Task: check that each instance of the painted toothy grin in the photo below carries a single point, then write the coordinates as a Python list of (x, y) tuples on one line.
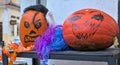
[(84, 36), (76, 29), (28, 38)]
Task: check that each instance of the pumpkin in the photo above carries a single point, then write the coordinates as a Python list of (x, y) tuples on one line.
[(33, 24), (90, 29)]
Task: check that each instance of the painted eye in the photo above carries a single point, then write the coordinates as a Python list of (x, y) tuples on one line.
[(74, 18), (26, 24), (98, 17), (38, 24)]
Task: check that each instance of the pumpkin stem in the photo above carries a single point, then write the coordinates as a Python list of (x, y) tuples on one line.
[(116, 42)]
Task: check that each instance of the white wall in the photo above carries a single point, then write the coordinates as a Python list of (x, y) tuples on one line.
[(5, 18), (63, 8), (26, 3)]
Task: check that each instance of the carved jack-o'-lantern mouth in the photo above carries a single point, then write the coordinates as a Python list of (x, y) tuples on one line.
[(29, 38)]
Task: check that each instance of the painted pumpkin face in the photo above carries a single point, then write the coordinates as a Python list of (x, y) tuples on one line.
[(89, 29), (89, 22), (32, 25)]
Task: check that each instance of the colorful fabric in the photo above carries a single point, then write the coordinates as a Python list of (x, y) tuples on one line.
[(51, 40)]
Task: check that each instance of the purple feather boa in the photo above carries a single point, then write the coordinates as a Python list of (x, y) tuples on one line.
[(51, 40)]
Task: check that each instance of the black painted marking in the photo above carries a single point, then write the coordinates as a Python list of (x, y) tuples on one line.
[(38, 24), (32, 32), (74, 18), (29, 38), (98, 17), (26, 24), (33, 20)]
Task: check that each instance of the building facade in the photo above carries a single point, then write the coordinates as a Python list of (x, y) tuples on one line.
[(10, 17)]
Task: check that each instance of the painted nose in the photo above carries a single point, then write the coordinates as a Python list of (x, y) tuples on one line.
[(32, 32), (86, 21)]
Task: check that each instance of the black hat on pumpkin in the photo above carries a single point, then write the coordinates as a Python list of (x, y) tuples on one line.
[(38, 7)]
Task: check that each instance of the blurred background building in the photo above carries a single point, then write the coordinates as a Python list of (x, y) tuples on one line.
[(10, 17), (10, 14)]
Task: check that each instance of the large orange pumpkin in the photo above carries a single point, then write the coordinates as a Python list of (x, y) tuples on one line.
[(33, 24), (89, 29)]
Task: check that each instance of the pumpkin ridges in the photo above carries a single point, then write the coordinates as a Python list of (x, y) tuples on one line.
[(110, 31)]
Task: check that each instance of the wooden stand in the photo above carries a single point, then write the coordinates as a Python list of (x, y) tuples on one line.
[(110, 55)]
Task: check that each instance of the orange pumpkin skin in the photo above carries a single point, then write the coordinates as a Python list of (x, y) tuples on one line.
[(32, 25), (90, 29)]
